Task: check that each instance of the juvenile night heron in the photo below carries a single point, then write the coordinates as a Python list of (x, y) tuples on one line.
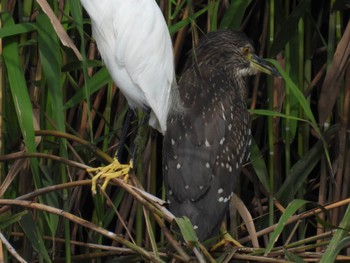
[(134, 43), (204, 148)]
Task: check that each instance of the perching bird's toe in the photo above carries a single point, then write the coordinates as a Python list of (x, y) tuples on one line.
[(109, 172)]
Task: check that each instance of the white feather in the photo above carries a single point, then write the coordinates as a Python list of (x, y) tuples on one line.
[(135, 45)]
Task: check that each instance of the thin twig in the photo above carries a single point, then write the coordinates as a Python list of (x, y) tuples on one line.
[(10, 249), (80, 221)]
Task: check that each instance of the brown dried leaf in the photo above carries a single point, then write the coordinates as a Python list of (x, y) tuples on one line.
[(18, 166), (61, 33), (331, 84), (247, 219)]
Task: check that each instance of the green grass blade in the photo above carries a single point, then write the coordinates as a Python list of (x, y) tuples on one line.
[(259, 165), (304, 105), (51, 61), (19, 93), (299, 173), (298, 94), (187, 230), (301, 169), (97, 81), (50, 56), (7, 219), (339, 240), (277, 114), (289, 27), (34, 236), (76, 11), (17, 29), (213, 14), (150, 232), (234, 15), (292, 257), (294, 206), (176, 27)]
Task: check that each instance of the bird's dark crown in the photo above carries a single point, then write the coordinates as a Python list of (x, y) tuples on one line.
[(227, 50)]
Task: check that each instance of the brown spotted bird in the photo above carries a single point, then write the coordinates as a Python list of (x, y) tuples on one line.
[(204, 148)]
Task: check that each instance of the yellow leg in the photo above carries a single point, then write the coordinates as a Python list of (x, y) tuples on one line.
[(109, 172), (226, 239)]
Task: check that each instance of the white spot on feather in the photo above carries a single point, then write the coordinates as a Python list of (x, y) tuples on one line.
[(207, 144)]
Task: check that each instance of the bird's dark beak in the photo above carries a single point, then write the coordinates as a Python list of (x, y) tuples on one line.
[(262, 65)]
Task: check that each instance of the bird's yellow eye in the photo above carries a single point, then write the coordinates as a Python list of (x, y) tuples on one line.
[(246, 50)]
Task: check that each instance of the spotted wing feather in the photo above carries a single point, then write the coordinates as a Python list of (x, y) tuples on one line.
[(203, 149)]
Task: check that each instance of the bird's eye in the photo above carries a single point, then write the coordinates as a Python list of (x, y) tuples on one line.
[(246, 50)]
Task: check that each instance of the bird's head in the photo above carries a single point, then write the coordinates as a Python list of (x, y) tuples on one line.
[(232, 51)]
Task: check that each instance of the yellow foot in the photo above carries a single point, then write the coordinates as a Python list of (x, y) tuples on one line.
[(109, 172), (226, 239)]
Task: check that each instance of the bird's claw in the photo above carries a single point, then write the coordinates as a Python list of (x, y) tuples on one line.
[(109, 172), (227, 239)]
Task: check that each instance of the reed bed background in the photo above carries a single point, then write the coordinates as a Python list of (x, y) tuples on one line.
[(61, 113)]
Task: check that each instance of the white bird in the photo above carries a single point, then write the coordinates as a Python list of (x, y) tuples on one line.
[(134, 42), (135, 45)]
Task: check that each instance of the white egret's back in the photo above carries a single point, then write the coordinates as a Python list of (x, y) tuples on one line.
[(135, 45)]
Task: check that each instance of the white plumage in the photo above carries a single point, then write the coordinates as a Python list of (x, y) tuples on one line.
[(134, 43)]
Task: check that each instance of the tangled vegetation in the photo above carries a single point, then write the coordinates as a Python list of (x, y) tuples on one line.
[(61, 113)]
